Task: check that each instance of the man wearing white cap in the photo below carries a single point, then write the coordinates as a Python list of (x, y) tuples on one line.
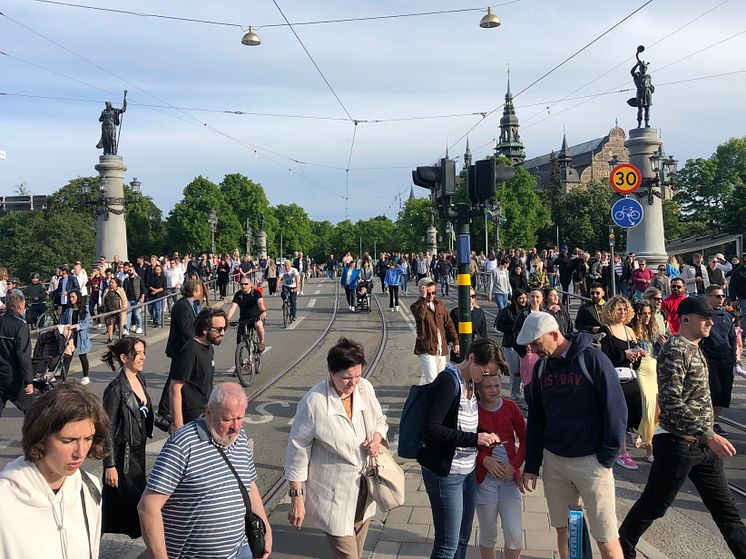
[(576, 428)]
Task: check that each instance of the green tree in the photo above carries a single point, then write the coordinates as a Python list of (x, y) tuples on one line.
[(247, 200), (583, 216), (672, 224), (411, 224), (187, 228), (295, 228), (321, 248), (144, 225), (526, 214), (344, 238), (378, 232), (700, 195)]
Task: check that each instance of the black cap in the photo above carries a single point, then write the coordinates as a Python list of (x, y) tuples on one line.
[(695, 305)]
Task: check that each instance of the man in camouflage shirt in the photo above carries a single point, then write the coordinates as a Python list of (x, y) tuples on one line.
[(687, 445)]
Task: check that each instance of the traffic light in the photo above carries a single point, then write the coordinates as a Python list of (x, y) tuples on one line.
[(426, 177), (448, 178), (482, 178)]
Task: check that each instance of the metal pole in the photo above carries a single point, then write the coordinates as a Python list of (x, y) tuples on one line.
[(281, 251), (375, 249), (613, 273), (360, 249), (463, 280), (248, 249), (486, 231)]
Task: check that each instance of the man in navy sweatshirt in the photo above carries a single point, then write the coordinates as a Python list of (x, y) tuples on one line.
[(576, 428)]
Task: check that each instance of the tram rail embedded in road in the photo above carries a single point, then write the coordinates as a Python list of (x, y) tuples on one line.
[(276, 493)]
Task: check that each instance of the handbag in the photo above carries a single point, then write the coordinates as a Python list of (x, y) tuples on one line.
[(384, 477), (626, 374), (255, 528)]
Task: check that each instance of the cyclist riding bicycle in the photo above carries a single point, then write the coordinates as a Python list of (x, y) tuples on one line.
[(250, 300), (289, 279)]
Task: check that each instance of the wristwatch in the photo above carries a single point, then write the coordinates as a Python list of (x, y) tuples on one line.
[(296, 492)]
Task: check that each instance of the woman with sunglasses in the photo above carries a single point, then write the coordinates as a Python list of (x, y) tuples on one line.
[(130, 412), (646, 330), (661, 281), (449, 456)]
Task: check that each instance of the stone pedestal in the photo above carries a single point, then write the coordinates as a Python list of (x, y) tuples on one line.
[(111, 231), (647, 240), (431, 235), (261, 244)]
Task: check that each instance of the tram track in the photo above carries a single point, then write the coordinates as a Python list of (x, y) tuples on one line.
[(741, 427), (274, 495)]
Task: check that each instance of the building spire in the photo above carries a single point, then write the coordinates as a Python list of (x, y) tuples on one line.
[(467, 154), (509, 145), (411, 193)]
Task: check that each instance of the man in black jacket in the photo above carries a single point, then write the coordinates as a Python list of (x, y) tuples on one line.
[(134, 287), (16, 375), (588, 318), (156, 284)]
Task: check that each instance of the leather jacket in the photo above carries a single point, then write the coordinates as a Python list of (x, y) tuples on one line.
[(129, 428)]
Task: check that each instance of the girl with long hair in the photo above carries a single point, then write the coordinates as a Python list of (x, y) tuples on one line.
[(75, 319), (646, 330)]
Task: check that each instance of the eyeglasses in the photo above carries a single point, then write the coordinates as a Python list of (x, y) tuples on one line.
[(486, 373), (245, 284), (657, 298), (218, 328), (720, 296)]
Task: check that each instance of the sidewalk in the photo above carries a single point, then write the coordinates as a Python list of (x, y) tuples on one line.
[(407, 532)]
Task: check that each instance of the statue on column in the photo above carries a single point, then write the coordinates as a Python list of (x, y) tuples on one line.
[(111, 118), (260, 219), (645, 90)]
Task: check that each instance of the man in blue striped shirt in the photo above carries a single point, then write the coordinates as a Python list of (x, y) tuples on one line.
[(192, 506)]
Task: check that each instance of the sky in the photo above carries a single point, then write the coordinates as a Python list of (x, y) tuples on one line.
[(302, 143)]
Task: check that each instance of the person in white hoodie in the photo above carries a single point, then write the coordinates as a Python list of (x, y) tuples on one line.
[(50, 507)]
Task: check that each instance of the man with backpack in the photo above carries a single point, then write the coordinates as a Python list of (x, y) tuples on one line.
[(573, 384)]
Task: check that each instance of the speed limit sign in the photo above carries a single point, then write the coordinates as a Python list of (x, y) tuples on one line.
[(625, 178)]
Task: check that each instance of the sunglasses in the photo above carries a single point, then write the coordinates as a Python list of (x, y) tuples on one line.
[(718, 296), (486, 373), (657, 298), (245, 284)]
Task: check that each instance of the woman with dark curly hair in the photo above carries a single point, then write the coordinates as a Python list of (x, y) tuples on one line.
[(51, 507), (130, 411)]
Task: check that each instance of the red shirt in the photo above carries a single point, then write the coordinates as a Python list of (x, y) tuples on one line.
[(507, 423), (669, 306), (641, 278)]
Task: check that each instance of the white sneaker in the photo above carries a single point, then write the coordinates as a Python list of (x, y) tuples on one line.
[(397, 308), (739, 371), (138, 331), (85, 380), (133, 328), (301, 293)]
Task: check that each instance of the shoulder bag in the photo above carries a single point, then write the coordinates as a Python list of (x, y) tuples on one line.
[(384, 477), (627, 373), (255, 528)]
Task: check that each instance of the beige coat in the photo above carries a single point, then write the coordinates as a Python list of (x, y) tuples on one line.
[(324, 452)]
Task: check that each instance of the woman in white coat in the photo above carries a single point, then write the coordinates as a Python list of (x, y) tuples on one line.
[(50, 507), (337, 424)]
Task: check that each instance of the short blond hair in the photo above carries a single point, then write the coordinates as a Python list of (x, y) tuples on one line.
[(609, 310)]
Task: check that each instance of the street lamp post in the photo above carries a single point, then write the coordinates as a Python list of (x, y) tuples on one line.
[(248, 237), (612, 240), (212, 220)]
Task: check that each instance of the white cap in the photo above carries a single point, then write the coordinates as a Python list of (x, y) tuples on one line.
[(720, 256), (536, 325)]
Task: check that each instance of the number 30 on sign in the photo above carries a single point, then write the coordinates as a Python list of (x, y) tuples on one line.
[(625, 178)]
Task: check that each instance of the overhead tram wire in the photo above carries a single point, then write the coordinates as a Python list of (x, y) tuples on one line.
[(268, 25), (625, 61), (555, 68), (712, 45)]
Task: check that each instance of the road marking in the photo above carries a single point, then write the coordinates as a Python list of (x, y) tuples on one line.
[(294, 324), (311, 303), (317, 291)]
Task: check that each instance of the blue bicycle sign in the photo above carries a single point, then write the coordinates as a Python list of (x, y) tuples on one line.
[(627, 213)]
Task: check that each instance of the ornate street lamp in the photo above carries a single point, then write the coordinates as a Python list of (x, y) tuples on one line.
[(212, 220), (135, 185)]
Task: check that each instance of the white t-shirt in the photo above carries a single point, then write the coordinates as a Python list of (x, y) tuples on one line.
[(288, 278)]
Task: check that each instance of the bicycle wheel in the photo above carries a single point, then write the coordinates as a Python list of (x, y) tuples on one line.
[(285, 314), (47, 319), (257, 355), (244, 364)]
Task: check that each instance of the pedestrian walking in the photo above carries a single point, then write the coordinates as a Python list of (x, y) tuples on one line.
[(16, 374), (75, 320)]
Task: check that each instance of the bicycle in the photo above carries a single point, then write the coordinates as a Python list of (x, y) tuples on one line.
[(248, 358), (287, 315)]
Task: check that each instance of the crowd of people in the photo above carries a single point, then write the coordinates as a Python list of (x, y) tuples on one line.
[(649, 365)]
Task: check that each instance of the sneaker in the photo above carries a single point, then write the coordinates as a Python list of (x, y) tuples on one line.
[(301, 293), (649, 459), (133, 328), (626, 462), (85, 380), (397, 308), (737, 370), (719, 430), (138, 330)]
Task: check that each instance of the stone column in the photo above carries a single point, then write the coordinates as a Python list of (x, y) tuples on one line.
[(647, 240), (261, 244), (111, 231)]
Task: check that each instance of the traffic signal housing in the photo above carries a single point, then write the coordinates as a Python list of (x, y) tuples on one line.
[(483, 176)]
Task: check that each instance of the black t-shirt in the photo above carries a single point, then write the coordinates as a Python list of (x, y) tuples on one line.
[(248, 303), (195, 366)]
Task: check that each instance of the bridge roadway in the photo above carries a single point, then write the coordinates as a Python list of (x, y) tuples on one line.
[(686, 532)]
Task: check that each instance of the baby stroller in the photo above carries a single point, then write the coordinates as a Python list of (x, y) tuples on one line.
[(363, 295), (47, 361)]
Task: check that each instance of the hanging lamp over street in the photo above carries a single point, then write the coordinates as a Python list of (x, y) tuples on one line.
[(489, 20), (251, 39)]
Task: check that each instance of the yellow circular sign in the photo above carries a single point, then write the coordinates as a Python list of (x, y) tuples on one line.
[(625, 178)]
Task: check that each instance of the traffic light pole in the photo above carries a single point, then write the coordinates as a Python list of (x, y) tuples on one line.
[(463, 280)]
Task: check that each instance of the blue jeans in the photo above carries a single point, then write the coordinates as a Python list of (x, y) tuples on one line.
[(452, 500), (501, 301), (133, 315), (156, 309), (404, 283), (443, 285), (292, 298)]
